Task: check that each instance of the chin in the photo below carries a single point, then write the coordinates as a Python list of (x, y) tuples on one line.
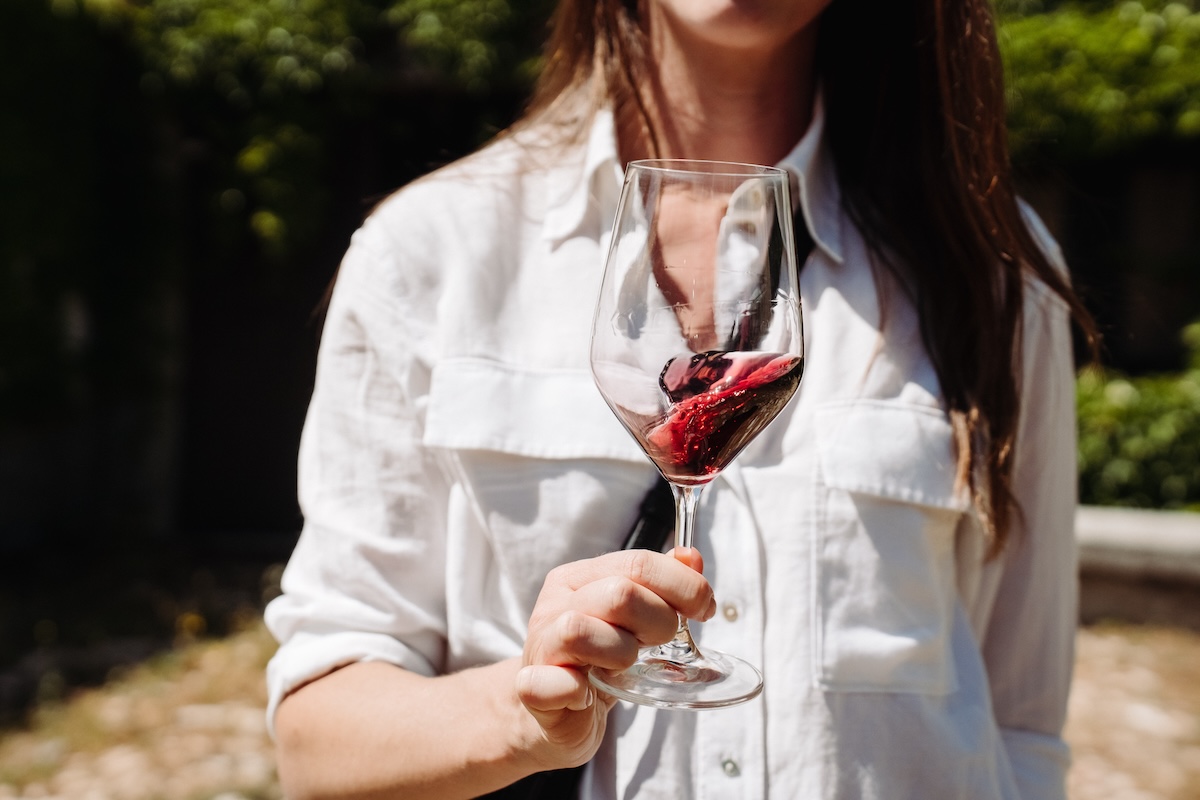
[(742, 24)]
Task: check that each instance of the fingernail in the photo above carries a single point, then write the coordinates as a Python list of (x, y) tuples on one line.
[(589, 698), (712, 609)]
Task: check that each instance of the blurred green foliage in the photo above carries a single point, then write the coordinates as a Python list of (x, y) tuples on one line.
[(476, 42), (1089, 79), (1139, 438), (266, 71), (249, 47), (248, 50)]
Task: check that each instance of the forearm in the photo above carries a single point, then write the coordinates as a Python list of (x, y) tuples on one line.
[(372, 730)]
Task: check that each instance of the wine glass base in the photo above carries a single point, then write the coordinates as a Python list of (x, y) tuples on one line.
[(714, 680)]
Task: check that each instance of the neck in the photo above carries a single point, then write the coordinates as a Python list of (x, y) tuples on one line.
[(723, 104)]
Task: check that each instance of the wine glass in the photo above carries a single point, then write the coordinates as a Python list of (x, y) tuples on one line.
[(697, 344)]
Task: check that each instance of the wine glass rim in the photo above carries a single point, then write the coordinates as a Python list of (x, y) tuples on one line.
[(706, 167)]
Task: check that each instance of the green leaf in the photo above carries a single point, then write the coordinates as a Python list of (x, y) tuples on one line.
[(1089, 79)]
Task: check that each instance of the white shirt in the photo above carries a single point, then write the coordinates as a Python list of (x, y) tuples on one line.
[(456, 450)]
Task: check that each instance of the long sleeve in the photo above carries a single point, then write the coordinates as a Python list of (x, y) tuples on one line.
[(366, 579), (1029, 644)]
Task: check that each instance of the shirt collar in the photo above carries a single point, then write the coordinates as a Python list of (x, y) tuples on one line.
[(576, 188), (814, 180), (810, 164)]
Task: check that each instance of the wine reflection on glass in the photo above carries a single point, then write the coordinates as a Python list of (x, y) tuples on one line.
[(697, 344)]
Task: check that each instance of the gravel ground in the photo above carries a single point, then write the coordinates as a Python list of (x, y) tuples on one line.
[(1134, 719), (188, 725)]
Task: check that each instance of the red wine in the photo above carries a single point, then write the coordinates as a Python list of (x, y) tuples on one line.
[(718, 402)]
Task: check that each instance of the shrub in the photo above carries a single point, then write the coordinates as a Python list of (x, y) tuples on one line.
[(1139, 437), (1089, 78)]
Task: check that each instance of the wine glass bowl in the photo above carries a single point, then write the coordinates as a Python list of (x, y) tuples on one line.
[(697, 344)]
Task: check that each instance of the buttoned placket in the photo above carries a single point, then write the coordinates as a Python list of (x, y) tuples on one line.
[(730, 747)]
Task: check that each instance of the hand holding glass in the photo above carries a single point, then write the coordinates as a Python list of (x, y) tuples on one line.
[(697, 344)]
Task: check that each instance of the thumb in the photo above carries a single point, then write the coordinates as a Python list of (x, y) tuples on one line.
[(689, 556), (547, 690)]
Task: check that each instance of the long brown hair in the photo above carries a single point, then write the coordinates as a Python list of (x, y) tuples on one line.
[(915, 119)]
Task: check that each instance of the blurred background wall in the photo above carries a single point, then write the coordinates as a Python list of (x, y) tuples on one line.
[(179, 178)]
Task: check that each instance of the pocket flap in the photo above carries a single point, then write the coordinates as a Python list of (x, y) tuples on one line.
[(479, 404), (891, 449)]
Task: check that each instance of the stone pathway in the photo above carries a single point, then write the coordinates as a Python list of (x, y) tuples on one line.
[(188, 726), (185, 726), (1134, 719)]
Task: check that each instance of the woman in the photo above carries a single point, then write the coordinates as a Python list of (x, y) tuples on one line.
[(896, 550)]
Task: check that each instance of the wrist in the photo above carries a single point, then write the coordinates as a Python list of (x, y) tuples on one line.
[(512, 744)]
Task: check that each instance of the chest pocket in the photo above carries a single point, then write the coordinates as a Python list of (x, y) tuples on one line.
[(883, 556), (538, 463)]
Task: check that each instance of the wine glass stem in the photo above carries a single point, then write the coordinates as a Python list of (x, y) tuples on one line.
[(682, 649)]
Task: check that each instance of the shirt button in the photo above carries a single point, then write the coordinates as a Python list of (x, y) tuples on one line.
[(730, 612), (731, 768)]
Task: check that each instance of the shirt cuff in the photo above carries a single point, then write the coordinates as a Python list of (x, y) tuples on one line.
[(1039, 763), (307, 656)]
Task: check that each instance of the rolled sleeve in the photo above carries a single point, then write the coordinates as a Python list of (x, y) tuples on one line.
[(366, 581)]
